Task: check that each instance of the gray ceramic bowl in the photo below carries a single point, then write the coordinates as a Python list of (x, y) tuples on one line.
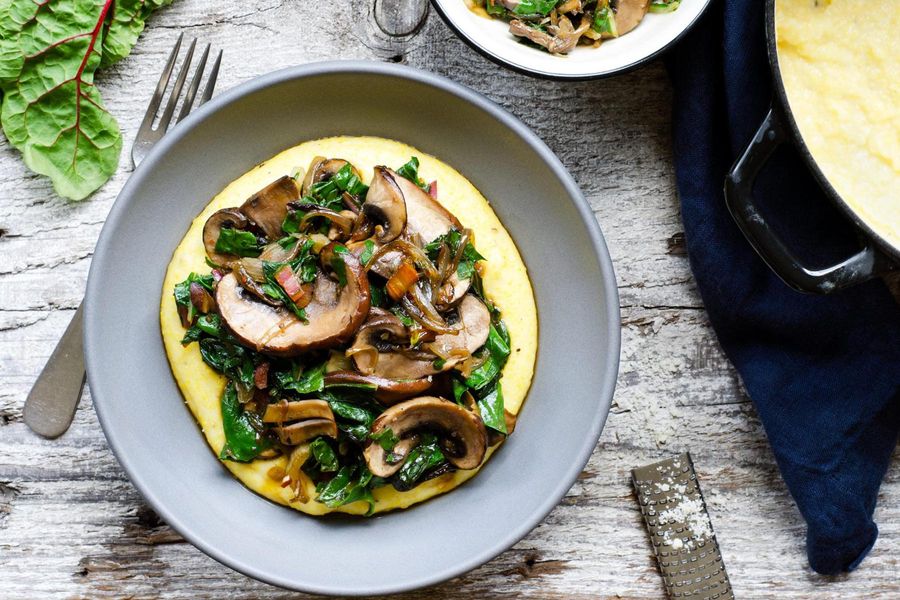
[(154, 435)]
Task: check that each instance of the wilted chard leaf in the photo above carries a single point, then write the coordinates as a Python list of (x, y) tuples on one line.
[(52, 112)]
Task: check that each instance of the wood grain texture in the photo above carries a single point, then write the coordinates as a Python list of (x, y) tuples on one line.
[(72, 526)]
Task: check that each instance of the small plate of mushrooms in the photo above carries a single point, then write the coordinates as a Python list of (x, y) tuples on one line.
[(570, 39)]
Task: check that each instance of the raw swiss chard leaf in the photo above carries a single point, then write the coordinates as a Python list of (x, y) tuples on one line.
[(243, 441), (124, 26), (52, 112)]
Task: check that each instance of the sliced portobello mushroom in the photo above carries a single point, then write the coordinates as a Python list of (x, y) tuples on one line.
[(628, 14), (381, 345), (323, 169), (475, 321), (268, 207), (304, 431), (285, 411), (385, 205), (227, 218), (426, 220), (387, 391), (333, 315), (461, 433), (381, 349)]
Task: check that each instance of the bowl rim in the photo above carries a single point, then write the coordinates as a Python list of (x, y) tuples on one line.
[(540, 74), (612, 344)]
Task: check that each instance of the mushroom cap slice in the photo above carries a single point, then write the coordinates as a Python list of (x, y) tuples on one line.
[(284, 411), (383, 331), (379, 350), (334, 314), (268, 207), (629, 13), (323, 169), (425, 216), (297, 433), (386, 205), (427, 220), (222, 219), (387, 391), (476, 325), (462, 434)]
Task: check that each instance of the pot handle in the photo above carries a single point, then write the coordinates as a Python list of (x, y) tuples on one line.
[(860, 267)]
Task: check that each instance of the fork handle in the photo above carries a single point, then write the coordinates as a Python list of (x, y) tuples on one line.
[(51, 404)]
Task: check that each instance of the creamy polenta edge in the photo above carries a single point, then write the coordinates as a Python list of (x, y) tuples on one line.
[(839, 62), (505, 282)]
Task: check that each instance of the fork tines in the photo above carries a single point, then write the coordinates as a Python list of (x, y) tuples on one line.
[(147, 135)]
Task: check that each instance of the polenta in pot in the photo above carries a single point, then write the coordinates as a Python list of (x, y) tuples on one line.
[(840, 65), (351, 326)]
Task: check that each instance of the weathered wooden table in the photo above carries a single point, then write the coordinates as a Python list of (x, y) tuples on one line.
[(71, 524)]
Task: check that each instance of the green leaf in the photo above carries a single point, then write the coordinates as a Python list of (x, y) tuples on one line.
[(605, 19), (182, 291), (411, 171), (497, 349), (344, 488), (238, 242), (459, 388), (535, 7), (337, 263), (210, 324), (420, 460), (52, 111), (243, 441), (664, 6), (347, 181), (368, 250), (274, 290), (352, 412), (492, 410), (386, 439), (324, 455), (494, 8), (309, 381), (124, 26), (229, 358)]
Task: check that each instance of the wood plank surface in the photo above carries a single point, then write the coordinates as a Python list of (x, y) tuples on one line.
[(71, 524)]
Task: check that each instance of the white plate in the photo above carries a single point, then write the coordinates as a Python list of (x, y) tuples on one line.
[(491, 37)]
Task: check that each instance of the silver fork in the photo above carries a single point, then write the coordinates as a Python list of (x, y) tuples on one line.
[(146, 135), (51, 403)]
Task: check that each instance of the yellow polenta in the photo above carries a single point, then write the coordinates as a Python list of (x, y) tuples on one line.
[(840, 63), (505, 280)]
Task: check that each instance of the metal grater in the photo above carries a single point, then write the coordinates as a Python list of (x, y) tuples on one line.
[(680, 530)]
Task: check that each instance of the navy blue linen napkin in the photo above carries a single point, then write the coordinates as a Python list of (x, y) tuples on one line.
[(823, 372)]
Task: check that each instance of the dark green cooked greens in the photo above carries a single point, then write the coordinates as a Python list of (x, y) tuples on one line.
[(367, 355), (558, 26)]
